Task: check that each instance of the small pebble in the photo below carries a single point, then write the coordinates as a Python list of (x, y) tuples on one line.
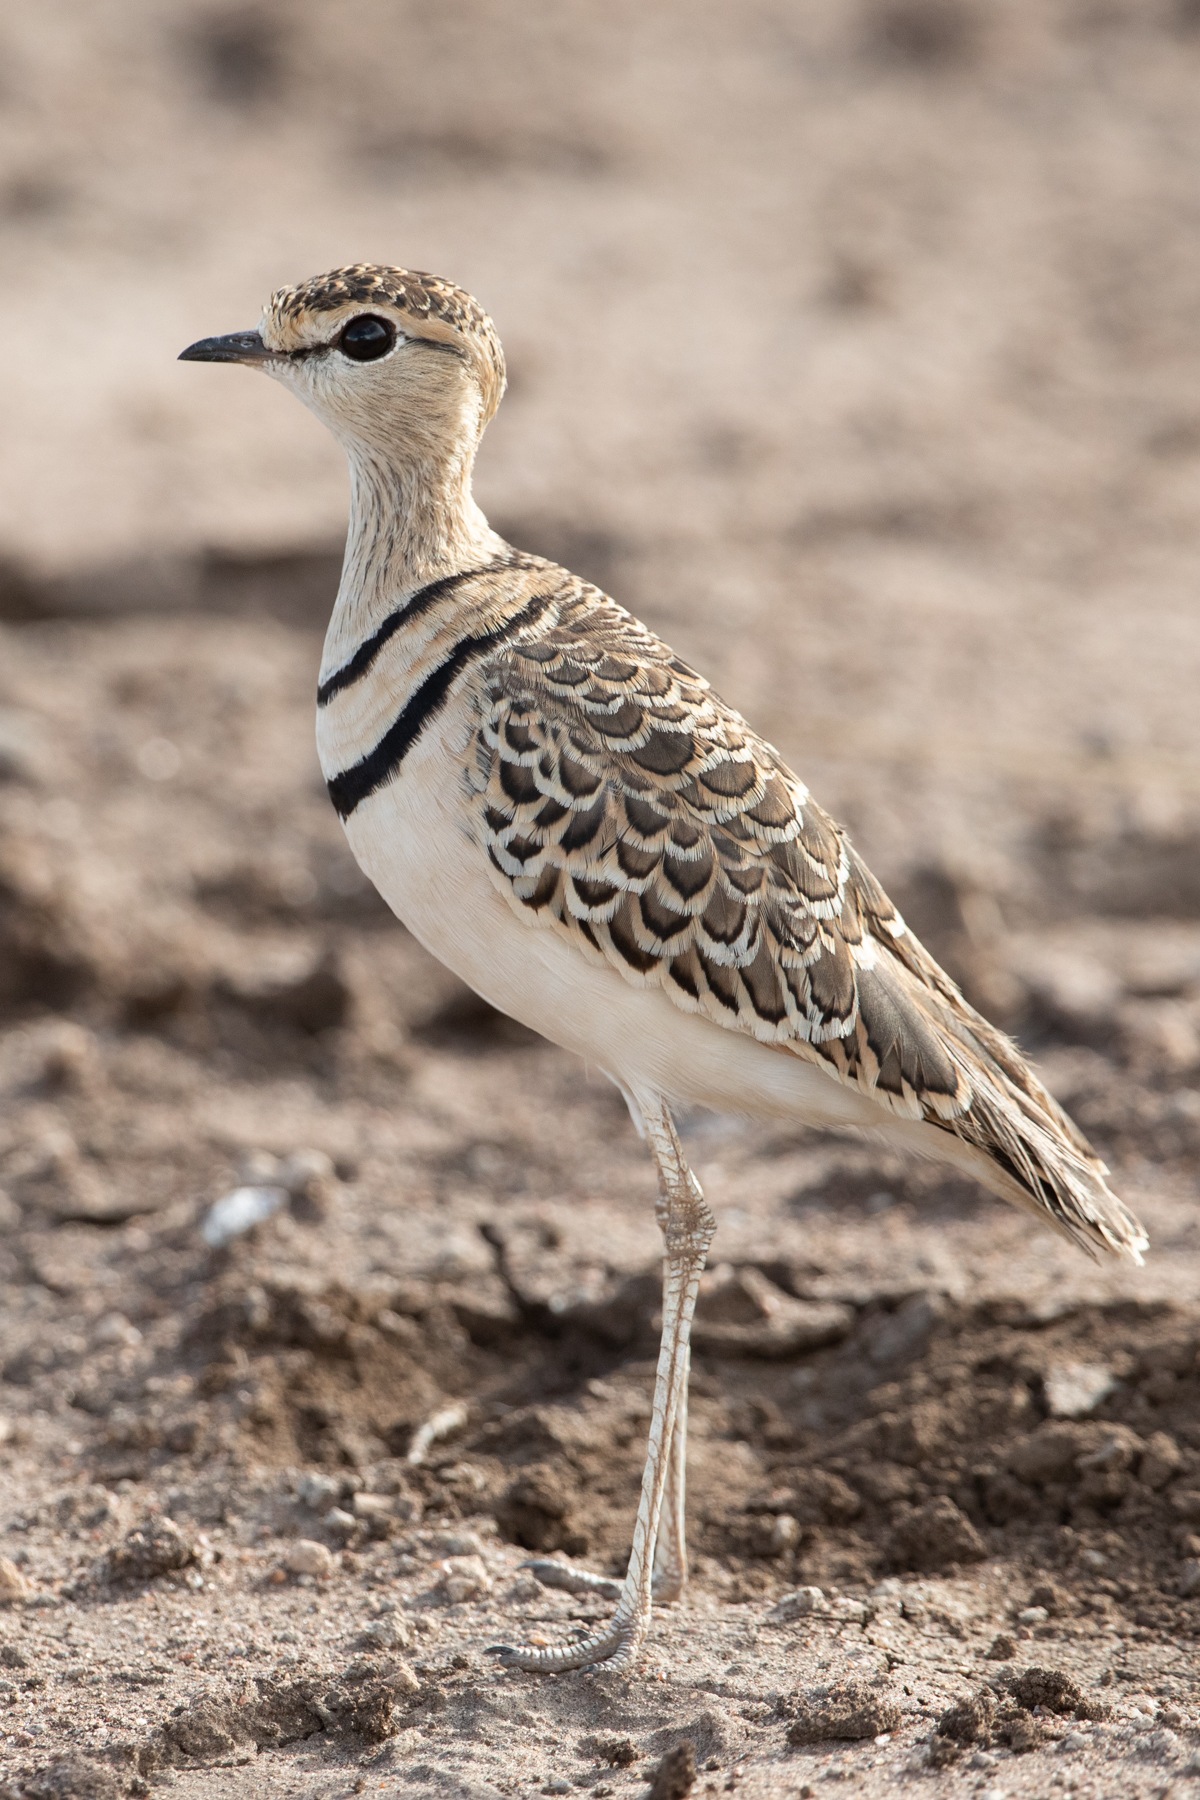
[(238, 1212), (457, 1543), (114, 1328), (1073, 1390), (307, 1174), (784, 1535), (403, 1679), (307, 1557), (387, 1633), (464, 1578), (983, 1759), (797, 1605), (1073, 1741), (339, 1523), (318, 1491), (1188, 1583), (373, 1506), (1032, 1615), (13, 1586)]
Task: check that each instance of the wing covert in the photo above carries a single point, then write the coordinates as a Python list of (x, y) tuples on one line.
[(624, 805)]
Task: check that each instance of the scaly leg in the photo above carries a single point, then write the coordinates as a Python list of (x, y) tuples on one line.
[(670, 1548), (687, 1226)]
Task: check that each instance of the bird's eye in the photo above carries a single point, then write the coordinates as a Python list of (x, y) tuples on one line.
[(367, 338)]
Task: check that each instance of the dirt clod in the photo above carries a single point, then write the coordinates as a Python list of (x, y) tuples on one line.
[(535, 1511), (934, 1536), (970, 1721), (155, 1547), (73, 1778), (617, 1752), (1056, 1692), (844, 1709), (675, 1776)]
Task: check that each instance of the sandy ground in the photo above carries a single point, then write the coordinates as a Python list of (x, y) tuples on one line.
[(855, 345)]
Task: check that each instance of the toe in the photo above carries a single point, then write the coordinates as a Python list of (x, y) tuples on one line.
[(572, 1581)]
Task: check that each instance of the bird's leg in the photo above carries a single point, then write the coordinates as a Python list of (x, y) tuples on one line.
[(670, 1546), (687, 1226)]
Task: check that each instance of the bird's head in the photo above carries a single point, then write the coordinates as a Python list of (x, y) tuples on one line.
[(397, 363)]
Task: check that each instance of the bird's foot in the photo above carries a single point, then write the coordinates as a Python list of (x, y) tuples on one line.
[(616, 1646), (668, 1584), (572, 1581)]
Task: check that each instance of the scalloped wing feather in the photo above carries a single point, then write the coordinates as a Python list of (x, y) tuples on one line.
[(624, 805)]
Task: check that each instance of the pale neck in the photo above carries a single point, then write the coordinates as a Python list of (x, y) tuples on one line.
[(410, 523)]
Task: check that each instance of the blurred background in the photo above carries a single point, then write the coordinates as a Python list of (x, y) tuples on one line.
[(853, 343)]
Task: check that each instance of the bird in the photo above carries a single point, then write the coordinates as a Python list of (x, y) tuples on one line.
[(567, 815)]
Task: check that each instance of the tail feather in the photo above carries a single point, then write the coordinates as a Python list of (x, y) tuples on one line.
[(1030, 1161), (1027, 1149)]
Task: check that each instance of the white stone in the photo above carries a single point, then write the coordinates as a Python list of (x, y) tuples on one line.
[(373, 1506), (238, 1212), (1075, 1389), (307, 1557), (785, 1534)]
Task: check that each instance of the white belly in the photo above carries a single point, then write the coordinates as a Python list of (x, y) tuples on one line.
[(413, 839)]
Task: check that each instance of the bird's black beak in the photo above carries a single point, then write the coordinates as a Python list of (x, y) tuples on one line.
[(234, 347)]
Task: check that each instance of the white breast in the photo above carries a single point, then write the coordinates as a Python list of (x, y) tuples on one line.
[(414, 840)]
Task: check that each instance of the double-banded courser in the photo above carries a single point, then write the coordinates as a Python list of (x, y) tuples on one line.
[(565, 813)]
